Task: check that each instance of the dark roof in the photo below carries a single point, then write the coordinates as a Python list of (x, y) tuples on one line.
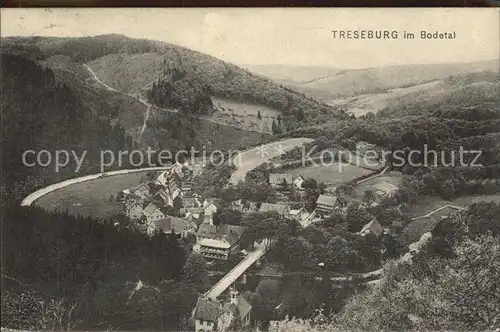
[(150, 208), (207, 230), (236, 229), (141, 228), (170, 223), (243, 306), (207, 309), (231, 233), (414, 230), (210, 310), (232, 237)]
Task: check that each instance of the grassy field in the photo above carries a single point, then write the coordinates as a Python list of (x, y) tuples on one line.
[(331, 175), (91, 197)]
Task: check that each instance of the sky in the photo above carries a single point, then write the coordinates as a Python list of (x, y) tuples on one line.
[(287, 36)]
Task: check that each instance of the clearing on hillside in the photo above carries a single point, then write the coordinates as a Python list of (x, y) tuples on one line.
[(244, 115)]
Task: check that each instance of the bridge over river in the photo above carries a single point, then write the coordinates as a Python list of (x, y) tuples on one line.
[(233, 275)]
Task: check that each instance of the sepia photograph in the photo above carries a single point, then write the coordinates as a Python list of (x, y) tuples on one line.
[(250, 169)]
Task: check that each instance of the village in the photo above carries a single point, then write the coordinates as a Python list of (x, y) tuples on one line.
[(164, 202)]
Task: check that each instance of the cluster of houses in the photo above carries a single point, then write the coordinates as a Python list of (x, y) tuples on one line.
[(326, 204), (165, 203), (283, 180)]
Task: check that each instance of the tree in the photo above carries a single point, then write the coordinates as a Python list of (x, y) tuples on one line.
[(269, 298), (195, 271), (334, 219), (297, 253), (275, 128), (368, 197), (299, 114), (285, 185), (227, 217), (353, 219), (340, 254)]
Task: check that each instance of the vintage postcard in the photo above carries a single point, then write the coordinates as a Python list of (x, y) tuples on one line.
[(278, 169)]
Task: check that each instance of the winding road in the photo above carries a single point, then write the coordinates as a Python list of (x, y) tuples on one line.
[(28, 200), (139, 99), (143, 101), (451, 206)]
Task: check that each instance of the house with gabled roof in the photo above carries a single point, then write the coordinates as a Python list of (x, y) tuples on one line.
[(298, 182), (281, 209), (134, 210), (162, 196), (152, 212), (384, 189), (217, 242), (215, 315), (142, 191), (181, 227), (163, 178), (208, 213), (298, 214), (418, 227), (373, 227), (325, 204), (243, 205), (278, 180)]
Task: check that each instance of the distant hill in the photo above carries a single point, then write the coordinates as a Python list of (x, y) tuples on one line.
[(292, 75), (463, 90), (471, 96), (327, 84)]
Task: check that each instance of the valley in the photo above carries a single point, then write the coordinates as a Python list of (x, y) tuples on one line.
[(256, 236)]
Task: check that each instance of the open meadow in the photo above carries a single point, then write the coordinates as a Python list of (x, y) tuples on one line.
[(335, 174), (91, 198)]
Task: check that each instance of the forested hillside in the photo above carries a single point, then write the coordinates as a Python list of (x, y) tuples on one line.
[(54, 103), (40, 112), (179, 78), (471, 96), (452, 284), (63, 273)]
